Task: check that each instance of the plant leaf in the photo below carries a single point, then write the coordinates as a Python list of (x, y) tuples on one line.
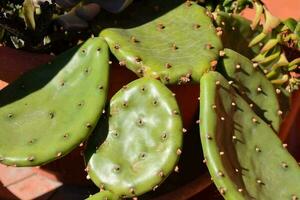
[(28, 12)]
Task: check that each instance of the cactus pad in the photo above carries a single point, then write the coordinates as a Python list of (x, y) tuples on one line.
[(253, 86), (103, 195), (52, 109), (176, 47), (144, 140), (244, 156)]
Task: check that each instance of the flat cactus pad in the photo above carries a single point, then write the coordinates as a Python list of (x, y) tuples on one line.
[(253, 86), (103, 195), (144, 140), (49, 111), (245, 158), (177, 47)]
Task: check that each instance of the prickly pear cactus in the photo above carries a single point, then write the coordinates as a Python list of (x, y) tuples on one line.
[(236, 33), (253, 86), (244, 156), (143, 143), (176, 47), (51, 110), (103, 195)]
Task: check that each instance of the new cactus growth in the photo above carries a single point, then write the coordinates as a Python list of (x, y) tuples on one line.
[(244, 156), (143, 143), (58, 104), (253, 86), (177, 47), (277, 42)]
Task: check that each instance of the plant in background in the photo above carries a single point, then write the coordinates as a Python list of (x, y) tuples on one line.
[(279, 53), (26, 23), (48, 25), (242, 68)]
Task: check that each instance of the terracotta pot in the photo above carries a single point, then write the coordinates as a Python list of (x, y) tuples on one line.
[(289, 130)]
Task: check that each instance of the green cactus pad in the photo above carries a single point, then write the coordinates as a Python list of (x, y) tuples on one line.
[(245, 158), (103, 195), (253, 86), (49, 111), (144, 140), (176, 47)]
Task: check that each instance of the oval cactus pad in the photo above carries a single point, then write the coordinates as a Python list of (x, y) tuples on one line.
[(49, 111), (177, 47), (103, 195), (253, 86), (245, 158), (144, 140)]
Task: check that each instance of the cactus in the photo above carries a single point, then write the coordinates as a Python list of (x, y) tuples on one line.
[(244, 156), (57, 104), (253, 86), (138, 140), (176, 47), (278, 43), (236, 33), (143, 143), (103, 195)]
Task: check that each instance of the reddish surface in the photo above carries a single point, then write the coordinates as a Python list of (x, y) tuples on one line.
[(14, 63), (36, 184), (280, 8), (284, 8)]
